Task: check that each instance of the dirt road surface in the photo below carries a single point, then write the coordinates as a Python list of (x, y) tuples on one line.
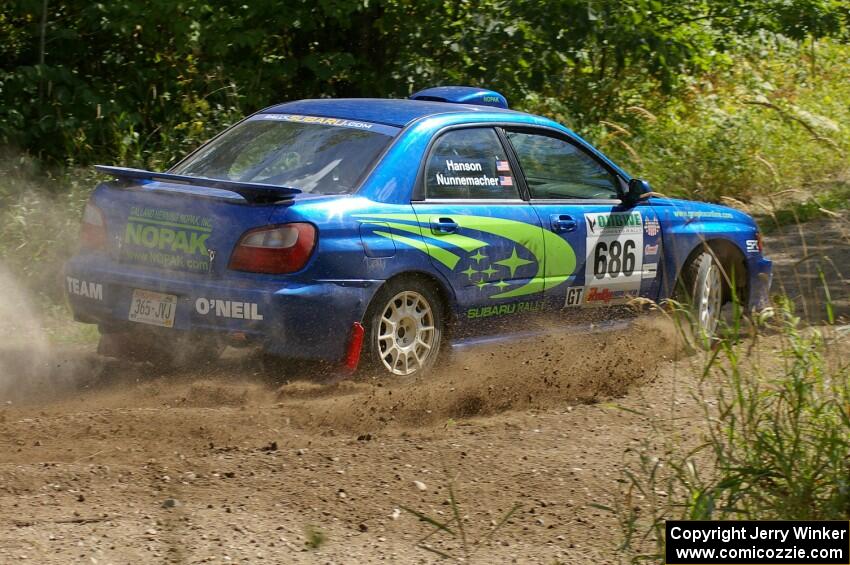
[(111, 462)]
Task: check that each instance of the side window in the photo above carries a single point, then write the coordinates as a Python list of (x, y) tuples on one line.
[(555, 168), (469, 163)]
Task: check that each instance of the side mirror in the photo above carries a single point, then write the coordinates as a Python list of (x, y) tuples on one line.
[(637, 189)]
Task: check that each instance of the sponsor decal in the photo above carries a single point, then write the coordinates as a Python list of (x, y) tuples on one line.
[(752, 246), (650, 249), (503, 166), (538, 262), (606, 295), (504, 309), (167, 239), (87, 289), (506, 181), (323, 121), (616, 223), (317, 120), (652, 227), (614, 247), (650, 270), (574, 296), (702, 214), (228, 309)]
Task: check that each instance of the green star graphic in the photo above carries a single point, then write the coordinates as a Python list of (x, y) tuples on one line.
[(513, 262), (478, 256), (489, 271), (469, 272), (500, 284), (481, 284)]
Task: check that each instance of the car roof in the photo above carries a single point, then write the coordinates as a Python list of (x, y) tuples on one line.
[(392, 112)]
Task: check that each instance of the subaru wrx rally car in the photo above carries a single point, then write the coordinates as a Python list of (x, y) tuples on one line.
[(384, 230)]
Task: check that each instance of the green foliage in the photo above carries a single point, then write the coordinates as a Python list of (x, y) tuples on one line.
[(776, 440), (315, 538), (135, 81), (817, 204), (455, 529), (783, 446), (757, 127), (39, 221), (706, 99)]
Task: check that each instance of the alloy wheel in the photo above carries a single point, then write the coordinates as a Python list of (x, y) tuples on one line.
[(406, 335)]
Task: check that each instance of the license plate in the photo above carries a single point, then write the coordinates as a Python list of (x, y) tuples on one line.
[(153, 308)]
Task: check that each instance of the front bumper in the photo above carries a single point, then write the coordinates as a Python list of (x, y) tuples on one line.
[(304, 320)]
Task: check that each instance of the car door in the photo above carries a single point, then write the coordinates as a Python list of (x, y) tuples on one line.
[(479, 233), (577, 197)]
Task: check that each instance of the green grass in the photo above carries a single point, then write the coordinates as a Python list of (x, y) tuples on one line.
[(454, 529), (775, 441), (315, 538)]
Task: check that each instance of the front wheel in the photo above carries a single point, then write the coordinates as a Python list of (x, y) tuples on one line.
[(405, 328), (703, 289)]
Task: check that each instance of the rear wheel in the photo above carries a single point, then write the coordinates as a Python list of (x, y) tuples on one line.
[(405, 328), (704, 294)]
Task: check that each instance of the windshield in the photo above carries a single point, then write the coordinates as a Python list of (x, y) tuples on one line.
[(313, 154)]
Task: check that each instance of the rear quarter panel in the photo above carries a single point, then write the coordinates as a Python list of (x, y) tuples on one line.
[(352, 252)]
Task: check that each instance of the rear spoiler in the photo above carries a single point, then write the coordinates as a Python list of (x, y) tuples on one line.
[(253, 192)]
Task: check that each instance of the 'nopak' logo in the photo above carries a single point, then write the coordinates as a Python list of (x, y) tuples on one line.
[(170, 239)]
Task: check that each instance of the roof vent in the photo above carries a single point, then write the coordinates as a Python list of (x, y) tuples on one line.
[(462, 95)]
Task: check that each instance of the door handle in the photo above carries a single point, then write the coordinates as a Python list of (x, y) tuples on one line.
[(443, 225), (562, 223)]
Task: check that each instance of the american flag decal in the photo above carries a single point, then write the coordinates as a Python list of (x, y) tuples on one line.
[(652, 227), (506, 181), (502, 166)]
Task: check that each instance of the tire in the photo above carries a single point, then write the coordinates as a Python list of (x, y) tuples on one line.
[(404, 329), (163, 350), (704, 294)]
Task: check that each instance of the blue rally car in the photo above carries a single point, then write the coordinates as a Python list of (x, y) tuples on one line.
[(342, 229)]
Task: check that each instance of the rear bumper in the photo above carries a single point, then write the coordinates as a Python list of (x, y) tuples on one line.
[(761, 275), (311, 320)]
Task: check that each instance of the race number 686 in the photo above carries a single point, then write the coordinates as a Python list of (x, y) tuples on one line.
[(613, 258)]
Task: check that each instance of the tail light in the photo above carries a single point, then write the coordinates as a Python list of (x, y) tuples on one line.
[(760, 242), (274, 249), (93, 229)]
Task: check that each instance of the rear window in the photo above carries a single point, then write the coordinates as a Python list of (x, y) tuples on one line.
[(311, 153)]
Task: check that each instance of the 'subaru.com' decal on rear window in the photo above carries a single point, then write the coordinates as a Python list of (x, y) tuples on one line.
[(325, 121), (757, 542)]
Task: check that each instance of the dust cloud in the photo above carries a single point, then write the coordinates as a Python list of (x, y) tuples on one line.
[(24, 348), (549, 371), (31, 368)]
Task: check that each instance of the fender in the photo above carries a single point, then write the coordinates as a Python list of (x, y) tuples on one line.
[(688, 226)]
